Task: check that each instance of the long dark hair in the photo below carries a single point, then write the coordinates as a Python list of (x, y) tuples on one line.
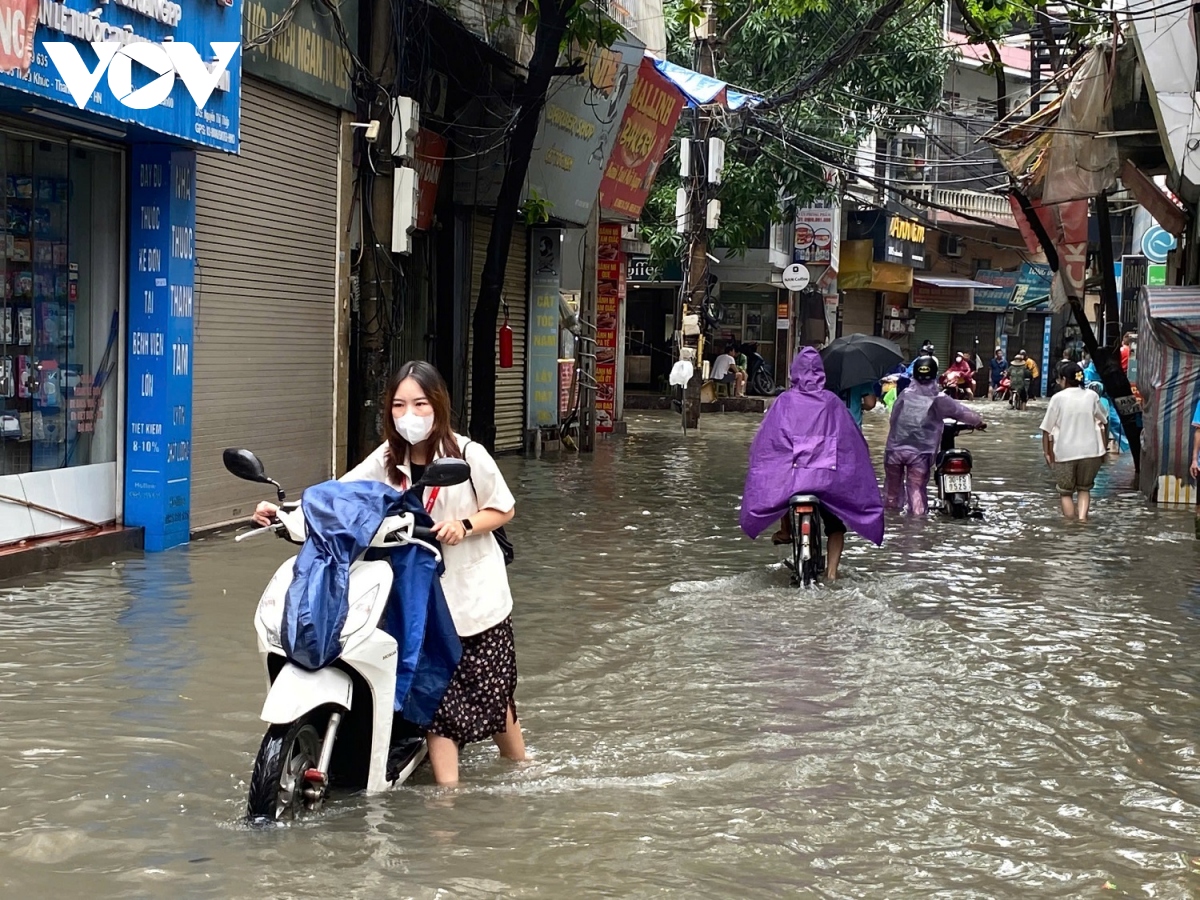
[(442, 435)]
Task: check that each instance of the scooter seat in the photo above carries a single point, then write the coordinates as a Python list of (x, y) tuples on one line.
[(798, 499)]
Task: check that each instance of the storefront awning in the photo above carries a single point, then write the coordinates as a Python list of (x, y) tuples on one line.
[(950, 281)]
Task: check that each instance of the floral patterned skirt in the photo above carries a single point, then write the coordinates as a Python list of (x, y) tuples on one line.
[(481, 692)]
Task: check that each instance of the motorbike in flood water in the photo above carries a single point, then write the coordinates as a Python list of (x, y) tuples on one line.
[(334, 725), (952, 474), (808, 540)]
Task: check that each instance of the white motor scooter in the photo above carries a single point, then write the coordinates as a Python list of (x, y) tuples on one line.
[(334, 723)]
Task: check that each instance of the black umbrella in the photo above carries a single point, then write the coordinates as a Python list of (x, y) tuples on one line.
[(858, 359)]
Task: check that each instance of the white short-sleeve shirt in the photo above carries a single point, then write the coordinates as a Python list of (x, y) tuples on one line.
[(1074, 419), (475, 581)]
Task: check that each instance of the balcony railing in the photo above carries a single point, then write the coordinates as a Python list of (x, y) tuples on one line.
[(973, 203)]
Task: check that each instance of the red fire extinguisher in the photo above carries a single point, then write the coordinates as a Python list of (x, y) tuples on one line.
[(506, 342)]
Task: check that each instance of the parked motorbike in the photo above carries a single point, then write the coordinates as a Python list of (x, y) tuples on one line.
[(808, 540), (952, 473), (334, 725), (760, 378)]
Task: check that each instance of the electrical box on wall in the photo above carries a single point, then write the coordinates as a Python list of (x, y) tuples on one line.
[(406, 120), (404, 208)]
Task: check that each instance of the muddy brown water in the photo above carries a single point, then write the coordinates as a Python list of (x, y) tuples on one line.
[(996, 709)]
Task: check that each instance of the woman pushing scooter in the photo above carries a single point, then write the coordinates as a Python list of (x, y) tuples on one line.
[(479, 702)]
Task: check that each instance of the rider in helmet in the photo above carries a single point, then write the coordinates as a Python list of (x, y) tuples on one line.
[(916, 435)]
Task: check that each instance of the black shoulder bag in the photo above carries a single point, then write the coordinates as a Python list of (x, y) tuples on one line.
[(501, 536)]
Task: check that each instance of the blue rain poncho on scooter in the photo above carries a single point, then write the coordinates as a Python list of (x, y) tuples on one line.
[(341, 519)]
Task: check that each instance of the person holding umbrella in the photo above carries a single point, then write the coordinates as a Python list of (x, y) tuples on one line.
[(853, 366)]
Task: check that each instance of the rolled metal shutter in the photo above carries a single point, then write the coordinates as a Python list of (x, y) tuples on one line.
[(266, 287), (975, 326), (510, 383), (935, 327)]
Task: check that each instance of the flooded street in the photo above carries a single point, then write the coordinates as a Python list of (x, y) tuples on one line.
[(996, 709)]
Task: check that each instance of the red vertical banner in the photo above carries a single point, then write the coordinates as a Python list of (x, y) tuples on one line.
[(431, 151), (1067, 225), (646, 130), (610, 286), (18, 19)]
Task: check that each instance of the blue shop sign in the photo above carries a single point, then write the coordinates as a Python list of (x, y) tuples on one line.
[(1033, 288), (994, 299), (162, 278), (119, 83)]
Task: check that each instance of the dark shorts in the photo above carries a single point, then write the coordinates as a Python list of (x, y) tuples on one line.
[(480, 694), (729, 378), (831, 523)]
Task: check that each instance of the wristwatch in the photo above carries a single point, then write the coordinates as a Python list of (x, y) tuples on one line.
[(466, 523)]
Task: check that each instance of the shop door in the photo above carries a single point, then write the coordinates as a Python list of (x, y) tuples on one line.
[(61, 212), (510, 383), (935, 327), (266, 289), (975, 333)]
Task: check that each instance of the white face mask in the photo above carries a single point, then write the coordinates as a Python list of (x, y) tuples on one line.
[(413, 428)]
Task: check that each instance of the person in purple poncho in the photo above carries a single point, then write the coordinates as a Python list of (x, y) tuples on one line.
[(916, 434), (808, 444)]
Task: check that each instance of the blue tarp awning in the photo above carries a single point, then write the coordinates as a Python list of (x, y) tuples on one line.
[(704, 90)]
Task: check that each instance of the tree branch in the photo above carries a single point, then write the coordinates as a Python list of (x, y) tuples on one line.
[(850, 48)]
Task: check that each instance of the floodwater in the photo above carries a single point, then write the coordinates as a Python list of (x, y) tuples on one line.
[(996, 709)]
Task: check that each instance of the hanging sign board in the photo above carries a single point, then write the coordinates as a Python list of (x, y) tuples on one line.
[(796, 277), (646, 130), (542, 359)]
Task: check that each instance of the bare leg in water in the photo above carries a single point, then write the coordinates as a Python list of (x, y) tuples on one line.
[(833, 555), (1068, 506), (511, 741), (1084, 505), (443, 752)]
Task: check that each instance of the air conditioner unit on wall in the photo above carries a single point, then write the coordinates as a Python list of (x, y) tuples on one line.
[(950, 245)]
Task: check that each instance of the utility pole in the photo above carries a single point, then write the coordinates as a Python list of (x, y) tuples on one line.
[(695, 290), (375, 275)]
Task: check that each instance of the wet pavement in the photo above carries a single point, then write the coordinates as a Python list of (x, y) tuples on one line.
[(1005, 708)]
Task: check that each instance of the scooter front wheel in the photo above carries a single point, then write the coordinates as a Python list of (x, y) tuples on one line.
[(278, 783)]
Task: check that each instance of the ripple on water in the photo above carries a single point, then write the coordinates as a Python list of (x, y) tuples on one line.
[(985, 709)]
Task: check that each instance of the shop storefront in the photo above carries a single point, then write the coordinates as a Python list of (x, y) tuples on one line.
[(272, 268), (651, 295), (877, 263), (97, 207), (749, 319)]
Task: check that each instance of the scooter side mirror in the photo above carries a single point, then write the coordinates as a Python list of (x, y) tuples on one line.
[(445, 472), (245, 465)]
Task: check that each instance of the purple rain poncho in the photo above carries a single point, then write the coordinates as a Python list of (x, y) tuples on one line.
[(808, 444), (917, 422)]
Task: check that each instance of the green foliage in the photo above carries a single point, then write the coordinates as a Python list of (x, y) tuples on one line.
[(536, 209), (993, 20), (585, 23), (769, 45)]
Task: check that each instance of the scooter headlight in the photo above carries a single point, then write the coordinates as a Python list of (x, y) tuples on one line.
[(359, 615)]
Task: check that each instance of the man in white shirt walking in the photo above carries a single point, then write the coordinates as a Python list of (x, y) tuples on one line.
[(1074, 440)]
